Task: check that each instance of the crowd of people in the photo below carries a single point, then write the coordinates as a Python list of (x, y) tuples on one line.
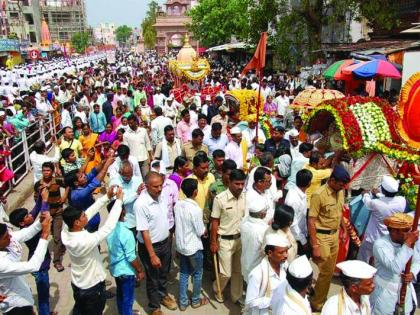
[(185, 185)]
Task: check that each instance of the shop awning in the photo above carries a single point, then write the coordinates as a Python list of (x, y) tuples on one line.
[(230, 46)]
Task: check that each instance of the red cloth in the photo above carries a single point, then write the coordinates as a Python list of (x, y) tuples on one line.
[(258, 60)]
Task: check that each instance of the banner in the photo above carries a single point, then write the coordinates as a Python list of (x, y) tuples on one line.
[(9, 45)]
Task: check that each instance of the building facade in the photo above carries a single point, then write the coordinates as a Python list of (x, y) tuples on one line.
[(105, 34), (64, 18), (171, 25)]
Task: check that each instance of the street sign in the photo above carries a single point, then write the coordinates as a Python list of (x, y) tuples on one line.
[(34, 54)]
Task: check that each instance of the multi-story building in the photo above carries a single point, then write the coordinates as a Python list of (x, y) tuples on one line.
[(64, 18), (105, 33), (23, 18), (171, 25)]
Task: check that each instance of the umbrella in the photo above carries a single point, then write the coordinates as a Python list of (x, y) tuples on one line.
[(349, 69), (312, 97), (334, 71), (376, 68)]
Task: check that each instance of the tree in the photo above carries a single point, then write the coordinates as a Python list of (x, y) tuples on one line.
[(80, 41), (12, 35), (148, 30), (214, 22), (123, 33)]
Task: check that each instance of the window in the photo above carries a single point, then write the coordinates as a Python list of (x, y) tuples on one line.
[(32, 37), (29, 18), (14, 15)]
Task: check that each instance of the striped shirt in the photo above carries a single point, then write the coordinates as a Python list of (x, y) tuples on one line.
[(189, 227)]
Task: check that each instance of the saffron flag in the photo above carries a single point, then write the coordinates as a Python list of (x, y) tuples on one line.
[(258, 60)]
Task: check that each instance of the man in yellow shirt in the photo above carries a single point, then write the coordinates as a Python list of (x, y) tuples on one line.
[(204, 178), (68, 141), (319, 174)]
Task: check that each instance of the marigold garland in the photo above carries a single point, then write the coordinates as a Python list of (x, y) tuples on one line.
[(366, 124), (247, 100)]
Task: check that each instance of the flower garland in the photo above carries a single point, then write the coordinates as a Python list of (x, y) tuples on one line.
[(248, 101), (398, 152), (409, 191), (266, 125), (372, 122)]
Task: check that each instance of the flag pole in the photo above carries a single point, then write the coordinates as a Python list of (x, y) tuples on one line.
[(400, 307), (258, 105)]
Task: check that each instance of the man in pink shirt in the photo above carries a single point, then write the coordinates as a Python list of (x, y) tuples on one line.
[(183, 129)]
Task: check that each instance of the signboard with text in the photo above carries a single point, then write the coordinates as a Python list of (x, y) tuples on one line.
[(9, 45)]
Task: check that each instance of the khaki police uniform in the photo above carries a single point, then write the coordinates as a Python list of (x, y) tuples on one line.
[(230, 211), (326, 207)]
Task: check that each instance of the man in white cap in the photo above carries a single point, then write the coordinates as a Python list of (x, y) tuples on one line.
[(357, 278), (293, 299), (170, 109), (159, 98), (385, 205), (253, 229), (236, 150), (293, 137), (267, 276), (207, 103)]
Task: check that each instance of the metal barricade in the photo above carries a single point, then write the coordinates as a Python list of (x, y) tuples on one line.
[(18, 162)]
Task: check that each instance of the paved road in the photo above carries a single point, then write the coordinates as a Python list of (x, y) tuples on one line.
[(62, 296)]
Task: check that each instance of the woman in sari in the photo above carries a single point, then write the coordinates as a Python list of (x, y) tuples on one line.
[(77, 127), (181, 170), (89, 140), (116, 120)]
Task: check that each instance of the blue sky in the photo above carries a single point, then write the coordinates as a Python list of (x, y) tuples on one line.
[(130, 12)]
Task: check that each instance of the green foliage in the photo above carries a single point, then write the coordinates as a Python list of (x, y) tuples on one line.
[(12, 35), (123, 33), (215, 21), (149, 32), (295, 27), (80, 41)]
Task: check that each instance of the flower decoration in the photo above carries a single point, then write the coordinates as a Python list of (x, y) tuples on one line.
[(266, 125), (248, 102), (366, 124)]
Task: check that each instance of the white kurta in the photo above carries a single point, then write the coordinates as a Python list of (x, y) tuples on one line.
[(252, 238), (390, 260), (379, 209), (248, 135), (258, 297), (289, 302), (349, 307)]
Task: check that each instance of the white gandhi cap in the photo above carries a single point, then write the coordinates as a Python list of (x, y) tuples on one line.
[(256, 206), (356, 269), (275, 239), (235, 131), (300, 267), (390, 184)]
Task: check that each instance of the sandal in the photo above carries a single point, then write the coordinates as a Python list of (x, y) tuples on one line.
[(203, 301)]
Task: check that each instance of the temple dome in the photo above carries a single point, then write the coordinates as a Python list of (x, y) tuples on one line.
[(187, 53)]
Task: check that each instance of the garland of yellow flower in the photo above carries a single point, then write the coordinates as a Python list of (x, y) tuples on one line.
[(247, 100)]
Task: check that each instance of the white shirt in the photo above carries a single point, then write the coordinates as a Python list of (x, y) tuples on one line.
[(152, 216), (87, 268), (380, 209), (282, 105), (248, 135), (349, 306), (159, 99), (286, 302), (12, 271), (296, 199), (43, 107), (256, 303), (275, 193), (189, 227), (82, 116), (66, 119), (114, 169), (139, 143), (233, 151), (265, 198), (158, 125), (252, 238), (37, 160)]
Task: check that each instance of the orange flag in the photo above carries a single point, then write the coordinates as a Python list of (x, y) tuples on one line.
[(258, 61)]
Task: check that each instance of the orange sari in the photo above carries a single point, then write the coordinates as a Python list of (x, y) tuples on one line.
[(89, 142)]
